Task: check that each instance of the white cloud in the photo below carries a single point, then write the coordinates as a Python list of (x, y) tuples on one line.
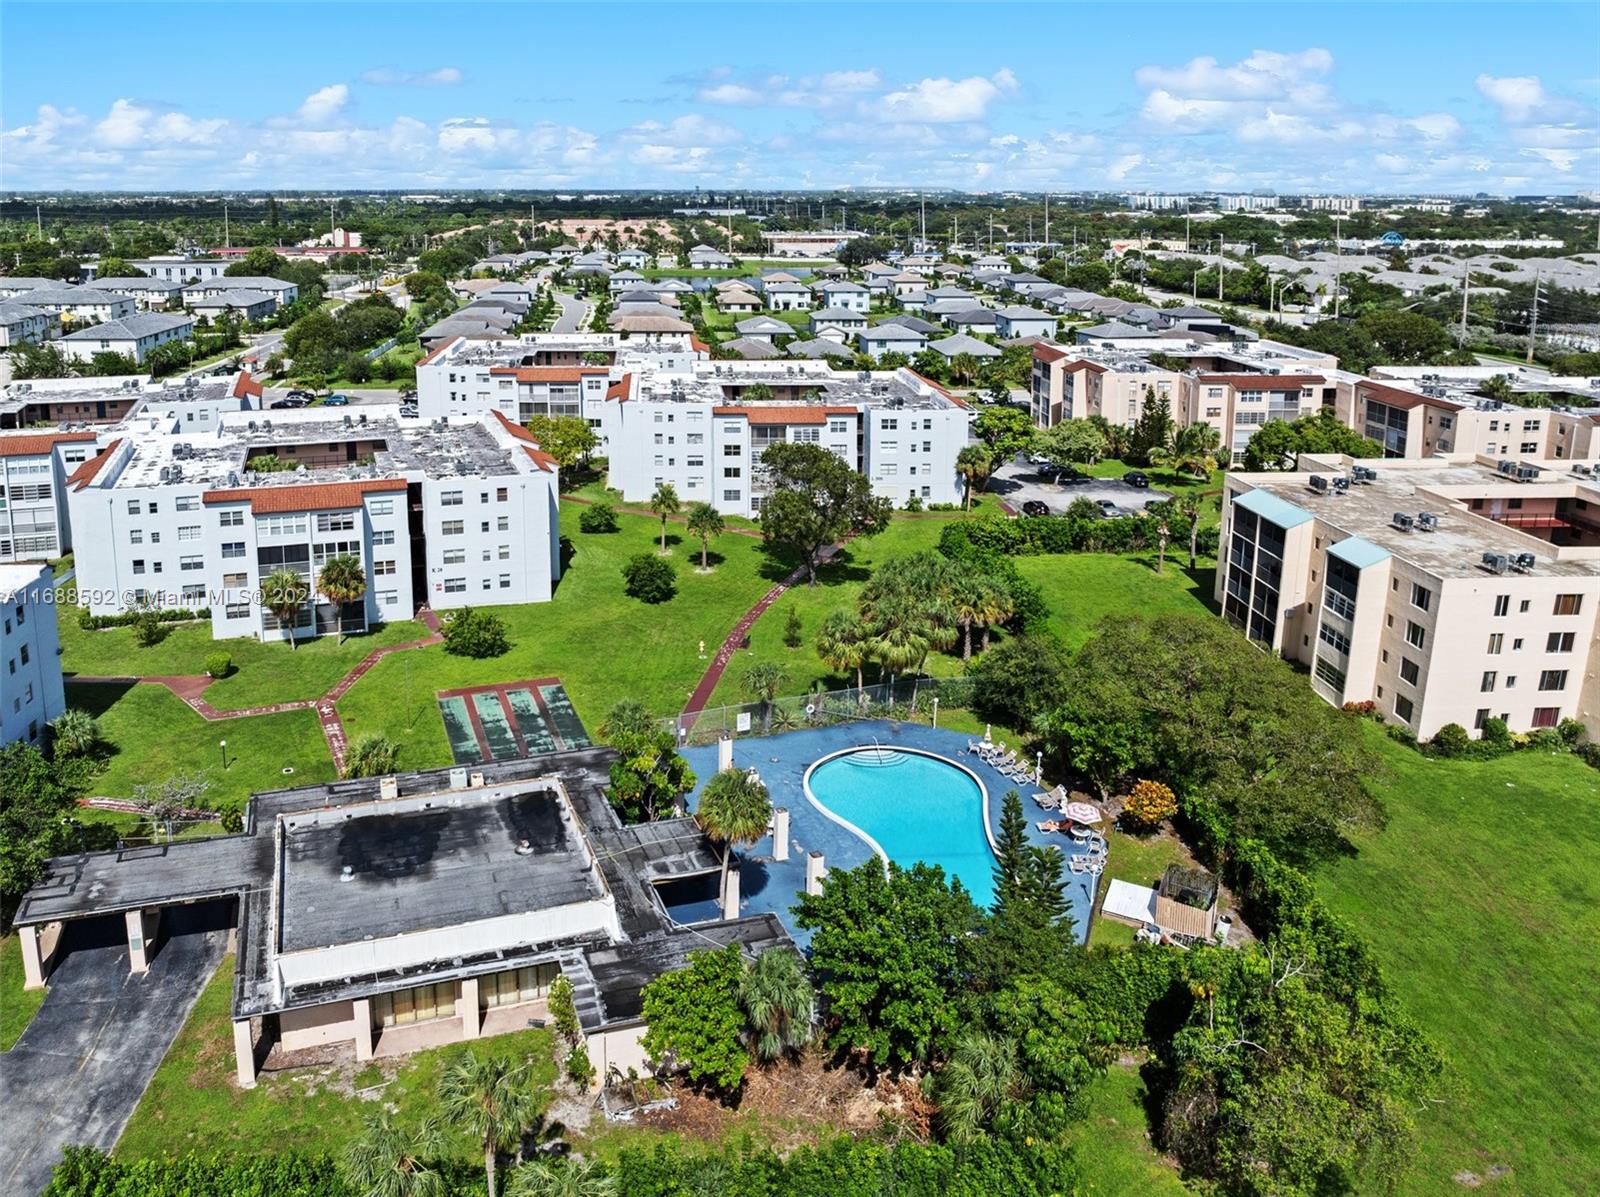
[(730, 93), (394, 77), (940, 101), (128, 125), (1517, 96), (1266, 74), (1120, 168), (692, 129), (324, 104)]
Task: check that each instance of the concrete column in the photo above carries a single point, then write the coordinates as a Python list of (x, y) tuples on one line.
[(32, 958), (142, 926), (816, 869), (780, 833), (244, 1054), (467, 1003), (363, 1028), (724, 753), (730, 897)]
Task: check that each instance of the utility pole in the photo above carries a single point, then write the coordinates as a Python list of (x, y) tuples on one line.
[(1219, 269), (1047, 218), (38, 222), (331, 221), (923, 199), (1533, 323), (1186, 227), (1338, 275), (227, 237), (1466, 286)]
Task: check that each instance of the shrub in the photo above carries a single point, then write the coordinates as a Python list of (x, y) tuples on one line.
[(148, 629), (600, 517), (580, 1069), (1572, 732), (564, 1009), (233, 821), (913, 503), (1496, 735), (371, 756), (1367, 707), (90, 622), (473, 633), (1018, 679), (1451, 740), (74, 733), (218, 664), (1149, 803), (650, 578), (791, 629)]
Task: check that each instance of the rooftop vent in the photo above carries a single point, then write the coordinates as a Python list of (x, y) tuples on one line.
[(1427, 521), (1319, 484), (1524, 562), (1496, 563), (1505, 467), (1527, 473), (1341, 482), (1364, 473), (1403, 521), (1580, 468)]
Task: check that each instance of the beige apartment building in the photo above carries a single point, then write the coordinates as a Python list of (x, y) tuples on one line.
[(1418, 420), (1073, 385), (1449, 590)]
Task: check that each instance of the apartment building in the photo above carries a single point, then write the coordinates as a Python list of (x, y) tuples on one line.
[(151, 294), (180, 269), (31, 694), (1422, 417), (282, 293), (81, 305), (22, 324), (133, 336), (444, 513), (1237, 405), (1075, 384), (34, 468), (1449, 590)]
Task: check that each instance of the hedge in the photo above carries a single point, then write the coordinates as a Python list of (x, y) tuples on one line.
[(1046, 534), (92, 623)]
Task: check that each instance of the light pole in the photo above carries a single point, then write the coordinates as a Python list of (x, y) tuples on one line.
[(223, 744), (935, 710)]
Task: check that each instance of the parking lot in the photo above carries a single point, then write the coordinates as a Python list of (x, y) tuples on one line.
[(1017, 482)]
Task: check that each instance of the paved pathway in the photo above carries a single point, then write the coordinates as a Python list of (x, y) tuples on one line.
[(190, 688), (574, 314), (80, 1068)]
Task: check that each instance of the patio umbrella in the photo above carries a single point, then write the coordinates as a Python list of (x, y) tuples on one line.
[(1081, 812)]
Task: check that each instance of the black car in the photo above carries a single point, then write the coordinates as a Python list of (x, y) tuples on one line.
[(301, 397), (1067, 474), (1136, 479), (1035, 507)]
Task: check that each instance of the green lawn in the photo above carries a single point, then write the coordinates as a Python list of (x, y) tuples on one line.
[(1483, 901), (263, 674), (1083, 588), (156, 736), (194, 1104), (1139, 860), (1113, 1145), (17, 1005), (604, 645)]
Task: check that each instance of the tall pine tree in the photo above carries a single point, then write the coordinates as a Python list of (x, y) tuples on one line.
[(1153, 430)]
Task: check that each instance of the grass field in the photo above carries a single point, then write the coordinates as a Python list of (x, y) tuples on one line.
[(262, 674), (1483, 902), (1083, 588), (194, 1104), (157, 736), (17, 1005), (1113, 1143)]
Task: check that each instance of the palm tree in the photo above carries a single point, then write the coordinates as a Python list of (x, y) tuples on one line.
[(344, 581), (1193, 450), (74, 733), (981, 1077), (384, 1161), (963, 368), (998, 606), (705, 521), (842, 643), (561, 1178), (778, 1003), (764, 681), (974, 462), (1189, 508), (1161, 511), (285, 593), (968, 602), (664, 502), (493, 1100), (734, 809)]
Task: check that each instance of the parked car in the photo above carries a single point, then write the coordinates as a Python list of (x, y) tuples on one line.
[(289, 400), (1035, 507), (1108, 508), (303, 396), (336, 401), (1137, 479), (1067, 474), (408, 410)]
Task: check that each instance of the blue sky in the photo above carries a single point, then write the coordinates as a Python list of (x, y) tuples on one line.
[(1291, 96)]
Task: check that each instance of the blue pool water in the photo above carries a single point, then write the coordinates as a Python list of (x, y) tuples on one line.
[(917, 808)]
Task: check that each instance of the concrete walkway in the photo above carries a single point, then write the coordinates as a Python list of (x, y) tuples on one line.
[(80, 1068), (574, 313), (190, 689)]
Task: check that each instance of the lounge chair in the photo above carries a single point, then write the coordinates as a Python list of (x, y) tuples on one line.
[(1049, 825), (1047, 801)]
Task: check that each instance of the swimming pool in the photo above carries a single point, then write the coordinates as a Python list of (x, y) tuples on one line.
[(910, 806)]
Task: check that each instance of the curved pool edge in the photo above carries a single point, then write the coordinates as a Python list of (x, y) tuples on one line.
[(877, 849)]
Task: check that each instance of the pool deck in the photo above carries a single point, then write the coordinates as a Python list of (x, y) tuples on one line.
[(770, 886)]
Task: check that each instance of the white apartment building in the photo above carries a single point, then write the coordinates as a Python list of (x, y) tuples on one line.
[(21, 324), (152, 294), (1452, 590), (182, 270), (663, 414), (31, 694), (34, 469), (82, 305), (135, 335), (444, 513), (284, 293)]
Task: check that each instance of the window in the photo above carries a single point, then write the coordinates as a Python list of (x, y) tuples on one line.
[(503, 524), (383, 536), (133, 506), (385, 566), (730, 496), (503, 552), (151, 508), (1338, 640), (237, 610), (1496, 642), (286, 525), (452, 528), (136, 536), (1569, 604), (890, 446), (336, 521), (501, 494), (188, 503), (1546, 716), (505, 581), (1553, 679), (888, 468), (455, 557), (189, 532), (388, 598), (1486, 684), (838, 426), (1402, 708), (381, 506), (1558, 642), (731, 472), (230, 519), (1421, 597), (1523, 606), (235, 580), (25, 654), (1502, 604), (138, 565), (420, 1004), (1416, 634), (455, 585), (890, 425), (732, 450), (191, 562), (1408, 670), (516, 985), (1480, 719), (807, 435)]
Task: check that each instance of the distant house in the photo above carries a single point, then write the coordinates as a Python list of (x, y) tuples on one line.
[(820, 347), (739, 300), (751, 349), (1016, 321), (925, 327), (959, 343), (17, 285), (82, 304), (633, 258), (23, 324), (787, 297), (624, 280), (889, 337), (134, 335), (564, 253), (905, 283), (248, 305), (1114, 330), (917, 301), (285, 292), (703, 257), (152, 294), (972, 320), (841, 293), (846, 320), (763, 328)]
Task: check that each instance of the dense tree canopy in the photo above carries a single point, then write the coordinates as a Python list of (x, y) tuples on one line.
[(816, 498)]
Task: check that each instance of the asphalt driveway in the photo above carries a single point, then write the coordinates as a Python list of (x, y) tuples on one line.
[(80, 1068), (1017, 483)]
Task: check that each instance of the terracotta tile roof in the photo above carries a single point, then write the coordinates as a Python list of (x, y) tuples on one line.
[(621, 389), (1049, 353), (548, 373), (244, 386), (956, 399), (1263, 382), (1403, 399), (35, 443), (438, 349), (542, 459), (784, 415), (698, 345), (87, 472), (529, 444), (1092, 367), (316, 496)]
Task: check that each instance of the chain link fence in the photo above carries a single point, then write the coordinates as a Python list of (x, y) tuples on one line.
[(904, 698)]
